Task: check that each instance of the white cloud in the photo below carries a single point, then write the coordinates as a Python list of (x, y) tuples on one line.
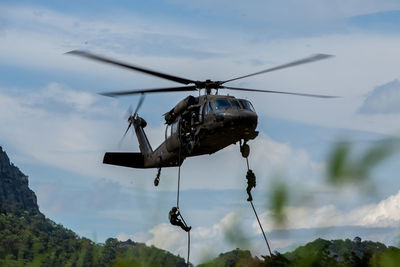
[(226, 169), (67, 138), (206, 242), (81, 101), (172, 238), (301, 217), (56, 97), (384, 99), (386, 213)]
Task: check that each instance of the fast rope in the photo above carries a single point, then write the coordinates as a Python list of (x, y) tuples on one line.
[(250, 199), (178, 193), (179, 180), (188, 254)]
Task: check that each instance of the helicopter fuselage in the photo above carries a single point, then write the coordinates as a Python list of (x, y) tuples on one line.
[(195, 126)]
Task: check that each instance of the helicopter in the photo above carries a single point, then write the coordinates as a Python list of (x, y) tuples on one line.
[(196, 125)]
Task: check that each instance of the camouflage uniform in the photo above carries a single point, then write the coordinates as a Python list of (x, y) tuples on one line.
[(251, 182), (173, 218)]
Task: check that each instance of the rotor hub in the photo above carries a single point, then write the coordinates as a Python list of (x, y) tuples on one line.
[(208, 85)]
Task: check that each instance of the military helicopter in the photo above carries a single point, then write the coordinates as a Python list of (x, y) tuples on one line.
[(196, 125)]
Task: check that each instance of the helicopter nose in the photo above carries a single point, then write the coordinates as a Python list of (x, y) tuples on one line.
[(245, 119), (249, 119)]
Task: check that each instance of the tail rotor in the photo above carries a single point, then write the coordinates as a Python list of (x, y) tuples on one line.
[(131, 117)]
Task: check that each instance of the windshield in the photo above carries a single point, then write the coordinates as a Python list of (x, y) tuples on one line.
[(221, 104), (246, 105), (234, 103), (209, 109)]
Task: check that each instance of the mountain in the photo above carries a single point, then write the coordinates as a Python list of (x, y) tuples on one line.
[(28, 238), (15, 194)]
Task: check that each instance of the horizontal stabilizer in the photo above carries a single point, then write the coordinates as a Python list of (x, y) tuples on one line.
[(126, 159)]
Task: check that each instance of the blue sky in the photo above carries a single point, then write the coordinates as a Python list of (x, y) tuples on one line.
[(58, 127)]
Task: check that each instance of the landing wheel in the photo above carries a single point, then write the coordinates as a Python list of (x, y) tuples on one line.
[(245, 150)]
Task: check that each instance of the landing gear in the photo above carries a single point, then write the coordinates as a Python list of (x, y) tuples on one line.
[(157, 180)]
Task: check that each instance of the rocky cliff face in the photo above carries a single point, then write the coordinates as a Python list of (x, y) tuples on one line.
[(15, 195)]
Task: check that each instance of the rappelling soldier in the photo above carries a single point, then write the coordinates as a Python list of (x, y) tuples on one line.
[(251, 182), (173, 218)]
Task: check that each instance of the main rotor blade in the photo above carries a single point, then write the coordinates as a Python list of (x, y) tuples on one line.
[(129, 66), (287, 65), (277, 92), (139, 104), (155, 90)]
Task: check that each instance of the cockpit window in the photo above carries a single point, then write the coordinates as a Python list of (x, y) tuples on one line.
[(221, 103), (174, 128), (234, 103), (246, 105), (167, 131)]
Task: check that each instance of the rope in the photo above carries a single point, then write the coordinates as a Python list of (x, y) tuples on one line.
[(178, 193), (255, 212), (180, 215), (179, 168), (187, 261), (259, 223), (179, 182)]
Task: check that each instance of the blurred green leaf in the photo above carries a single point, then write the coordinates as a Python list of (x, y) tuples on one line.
[(279, 198), (339, 165), (343, 169), (377, 154), (234, 233)]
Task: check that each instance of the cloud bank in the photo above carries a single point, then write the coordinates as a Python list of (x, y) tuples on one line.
[(386, 213), (368, 221)]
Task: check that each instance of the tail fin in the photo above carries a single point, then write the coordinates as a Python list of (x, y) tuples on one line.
[(144, 144)]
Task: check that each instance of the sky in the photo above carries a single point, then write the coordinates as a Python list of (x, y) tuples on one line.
[(56, 127)]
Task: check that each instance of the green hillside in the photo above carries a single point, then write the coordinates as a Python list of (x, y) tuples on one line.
[(33, 240), (28, 238), (320, 252), (341, 253)]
